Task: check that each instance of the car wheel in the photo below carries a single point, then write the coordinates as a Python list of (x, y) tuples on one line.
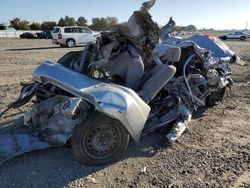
[(70, 43), (215, 97), (99, 140), (242, 38), (224, 38)]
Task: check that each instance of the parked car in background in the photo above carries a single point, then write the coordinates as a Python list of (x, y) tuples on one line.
[(44, 35), (28, 35), (235, 35), (72, 36)]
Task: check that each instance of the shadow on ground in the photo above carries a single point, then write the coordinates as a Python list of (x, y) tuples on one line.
[(57, 166), (40, 48)]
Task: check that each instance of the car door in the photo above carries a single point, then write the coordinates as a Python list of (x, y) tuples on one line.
[(231, 36), (70, 32), (238, 35), (78, 35), (86, 35)]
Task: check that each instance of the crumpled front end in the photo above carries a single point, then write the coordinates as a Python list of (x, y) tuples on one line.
[(48, 124), (51, 122), (116, 101), (122, 104), (16, 141)]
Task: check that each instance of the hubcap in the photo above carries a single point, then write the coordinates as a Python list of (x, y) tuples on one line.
[(71, 43), (102, 141)]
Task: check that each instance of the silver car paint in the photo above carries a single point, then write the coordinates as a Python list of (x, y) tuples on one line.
[(47, 124), (116, 101)]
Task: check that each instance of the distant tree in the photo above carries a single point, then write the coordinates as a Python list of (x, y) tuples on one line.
[(124, 23), (112, 21), (99, 24), (69, 21), (61, 22), (18, 24), (48, 26), (24, 25), (35, 26), (2, 27), (178, 28), (81, 21), (15, 23), (190, 28), (185, 28)]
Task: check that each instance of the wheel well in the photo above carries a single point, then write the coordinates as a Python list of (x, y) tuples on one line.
[(85, 150), (70, 39)]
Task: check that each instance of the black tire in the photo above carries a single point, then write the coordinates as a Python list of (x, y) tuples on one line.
[(215, 97), (70, 43), (224, 38), (99, 140), (242, 38)]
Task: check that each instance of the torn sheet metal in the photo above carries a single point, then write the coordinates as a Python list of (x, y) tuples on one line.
[(167, 30), (17, 141), (116, 101), (48, 124), (181, 124), (219, 48), (53, 119), (147, 5), (124, 52)]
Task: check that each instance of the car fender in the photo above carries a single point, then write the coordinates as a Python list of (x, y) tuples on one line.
[(122, 104), (116, 101)]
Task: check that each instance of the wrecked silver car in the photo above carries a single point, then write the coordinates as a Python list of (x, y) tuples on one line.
[(124, 86)]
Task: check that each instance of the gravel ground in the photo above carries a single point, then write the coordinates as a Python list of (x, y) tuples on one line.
[(215, 151)]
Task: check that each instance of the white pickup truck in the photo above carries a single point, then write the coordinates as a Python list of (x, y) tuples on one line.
[(235, 35)]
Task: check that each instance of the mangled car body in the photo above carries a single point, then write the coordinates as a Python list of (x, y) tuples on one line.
[(124, 86)]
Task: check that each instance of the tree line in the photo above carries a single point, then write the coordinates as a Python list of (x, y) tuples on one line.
[(185, 28), (98, 24)]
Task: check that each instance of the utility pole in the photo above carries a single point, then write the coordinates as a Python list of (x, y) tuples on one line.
[(247, 25)]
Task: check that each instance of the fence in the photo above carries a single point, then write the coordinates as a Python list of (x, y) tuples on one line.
[(12, 34)]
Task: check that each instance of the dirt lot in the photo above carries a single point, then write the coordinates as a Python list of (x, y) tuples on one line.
[(215, 152)]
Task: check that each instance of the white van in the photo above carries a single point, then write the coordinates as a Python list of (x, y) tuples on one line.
[(73, 35)]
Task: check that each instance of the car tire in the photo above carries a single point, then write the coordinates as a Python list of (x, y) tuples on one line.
[(242, 38), (215, 97), (224, 38), (99, 140), (70, 43)]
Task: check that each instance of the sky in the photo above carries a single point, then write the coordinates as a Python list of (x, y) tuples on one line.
[(217, 14)]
